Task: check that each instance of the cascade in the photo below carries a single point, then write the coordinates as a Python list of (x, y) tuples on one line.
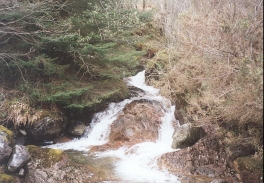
[(136, 163)]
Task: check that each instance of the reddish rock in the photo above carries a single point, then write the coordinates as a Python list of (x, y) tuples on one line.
[(139, 121)]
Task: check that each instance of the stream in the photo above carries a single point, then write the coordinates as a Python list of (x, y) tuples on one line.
[(136, 163)]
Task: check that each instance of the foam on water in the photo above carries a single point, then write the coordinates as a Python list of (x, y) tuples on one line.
[(139, 82), (137, 163)]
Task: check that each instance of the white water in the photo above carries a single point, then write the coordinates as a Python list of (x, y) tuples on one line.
[(137, 163)]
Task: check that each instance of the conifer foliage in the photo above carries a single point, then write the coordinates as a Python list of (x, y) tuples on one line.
[(62, 52)]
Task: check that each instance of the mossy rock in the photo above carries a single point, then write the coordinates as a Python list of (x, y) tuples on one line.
[(250, 169), (45, 156), (10, 134), (4, 178)]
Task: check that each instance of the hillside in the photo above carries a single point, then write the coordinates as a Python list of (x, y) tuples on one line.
[(67, 60)]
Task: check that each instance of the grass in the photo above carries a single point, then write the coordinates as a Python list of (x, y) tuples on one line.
[(211, 65)]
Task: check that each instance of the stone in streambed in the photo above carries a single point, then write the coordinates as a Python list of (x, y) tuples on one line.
[(19, 158), (207, 158), (76, 128), (187, 135), (6, 140), (140, 121)]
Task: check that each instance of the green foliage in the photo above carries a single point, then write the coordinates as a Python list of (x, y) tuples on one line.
[(59, 43), (95, 101), (66, 97), (59, 53)]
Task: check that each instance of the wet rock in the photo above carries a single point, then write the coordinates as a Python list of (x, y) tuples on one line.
[(76, 128), (140, 121), (134, 91), (44, 157), (187, 135), (45, 129), (20, 157), (239, 148), (207, 157), (6, 138), (5, 149), (54, 166)]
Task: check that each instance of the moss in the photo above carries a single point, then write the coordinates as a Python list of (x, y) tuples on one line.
[(45, 156), (55, 155), (8, 132), (4, 178)]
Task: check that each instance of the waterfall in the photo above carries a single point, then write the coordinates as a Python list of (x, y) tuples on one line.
[(137, 163)]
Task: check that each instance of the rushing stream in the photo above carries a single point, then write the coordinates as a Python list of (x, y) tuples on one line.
[(136, 163)]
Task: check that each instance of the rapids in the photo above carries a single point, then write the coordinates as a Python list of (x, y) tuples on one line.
[(136, 163)]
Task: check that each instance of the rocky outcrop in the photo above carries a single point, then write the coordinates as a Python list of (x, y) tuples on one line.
[(240, 147), (76, 128), (134, 91), (20, 157), (207, 157), (37, 125), (187, 135), (5, 149), (6, 141), (249, 169), (45, 165), (46, 128), (55, 166), (10, 164), (139, 121)]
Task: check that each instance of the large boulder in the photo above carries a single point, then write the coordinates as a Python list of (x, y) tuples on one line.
[(20, 157), (38, 125), (139, 121), (55, 166), (6, 140), (207, 157), (46, 128), (187, 135), (5, 149)]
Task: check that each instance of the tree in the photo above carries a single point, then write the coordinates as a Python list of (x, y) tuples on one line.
[(54, 51)]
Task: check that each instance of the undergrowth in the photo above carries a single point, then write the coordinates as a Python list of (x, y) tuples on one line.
[(211, 65)]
